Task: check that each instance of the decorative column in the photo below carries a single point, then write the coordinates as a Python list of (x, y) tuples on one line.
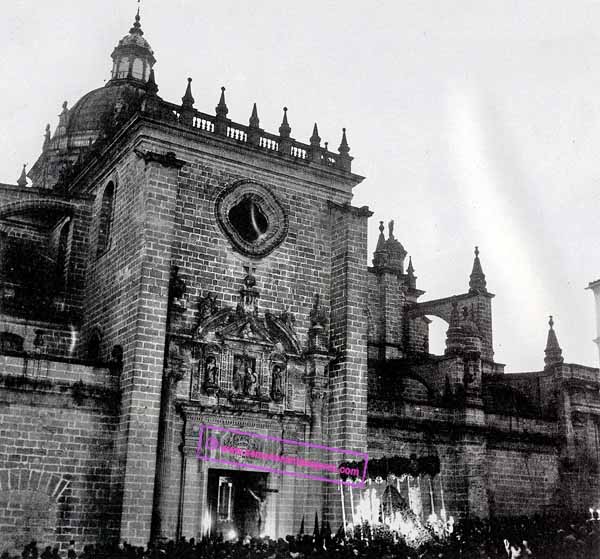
[(316, 379), (193, 492)]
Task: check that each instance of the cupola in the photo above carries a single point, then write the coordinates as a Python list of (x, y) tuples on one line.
[(133, 58)]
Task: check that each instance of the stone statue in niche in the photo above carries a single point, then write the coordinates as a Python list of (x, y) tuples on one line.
[(277, 383), (245, 378), (238, 374), (176, 362), (177, 286), (250, 379), (249, 294), (211, 374), (319, 321)]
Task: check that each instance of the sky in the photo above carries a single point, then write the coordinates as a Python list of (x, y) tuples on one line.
[(474, 123)]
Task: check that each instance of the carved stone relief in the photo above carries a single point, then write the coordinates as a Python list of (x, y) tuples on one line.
[(243, 356)]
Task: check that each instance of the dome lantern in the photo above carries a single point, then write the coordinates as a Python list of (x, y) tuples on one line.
[(133, 57)]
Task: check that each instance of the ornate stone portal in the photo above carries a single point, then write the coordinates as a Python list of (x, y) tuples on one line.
[(247, 370), (244, 356)]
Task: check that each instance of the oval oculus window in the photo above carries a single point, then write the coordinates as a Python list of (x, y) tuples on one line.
[(251, 217)]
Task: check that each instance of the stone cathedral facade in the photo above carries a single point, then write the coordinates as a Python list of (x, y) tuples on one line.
[(165, 269)]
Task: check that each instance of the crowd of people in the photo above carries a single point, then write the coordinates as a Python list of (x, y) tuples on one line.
[(545, 537)]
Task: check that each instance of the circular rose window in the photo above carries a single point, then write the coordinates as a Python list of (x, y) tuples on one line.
[(251, 217)]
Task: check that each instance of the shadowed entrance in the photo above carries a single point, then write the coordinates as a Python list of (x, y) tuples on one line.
[(237, 502)]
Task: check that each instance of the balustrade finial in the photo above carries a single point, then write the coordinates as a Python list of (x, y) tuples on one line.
[(254, 121), (285, 130)]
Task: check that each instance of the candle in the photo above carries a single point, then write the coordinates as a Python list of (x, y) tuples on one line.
[(343, 508)]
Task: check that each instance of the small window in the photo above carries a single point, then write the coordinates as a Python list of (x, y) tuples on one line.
[(93, 346), (123, 67), (105, 219), (225, 499), (138, 69), (248, 219), (62, 257)]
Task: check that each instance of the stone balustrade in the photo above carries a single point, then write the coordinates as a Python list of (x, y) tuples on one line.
[(261, 140)]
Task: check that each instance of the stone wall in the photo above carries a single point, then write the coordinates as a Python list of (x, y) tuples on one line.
[(504, 466), (164, 215), (57, 426), (522, 479)]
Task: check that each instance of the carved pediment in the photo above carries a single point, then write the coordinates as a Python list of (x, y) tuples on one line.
[(246, 329), (229, 325)]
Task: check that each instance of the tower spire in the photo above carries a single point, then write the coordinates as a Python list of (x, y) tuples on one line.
[(254, 131), (23, 178), (188, 99), (285, 142), (410, 272), (344, 160), (315, 139), (221, 108), (254, 120), (187, 105), (477, 283), (221, 115), (285, 129), (553, 351), (315, 145), (344, 148)]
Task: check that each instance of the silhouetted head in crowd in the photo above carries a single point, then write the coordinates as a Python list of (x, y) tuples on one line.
[(517, 546)]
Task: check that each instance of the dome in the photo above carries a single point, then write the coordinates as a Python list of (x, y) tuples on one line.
[(91, 112), (134, 39), (99, 112), (133, 60)]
